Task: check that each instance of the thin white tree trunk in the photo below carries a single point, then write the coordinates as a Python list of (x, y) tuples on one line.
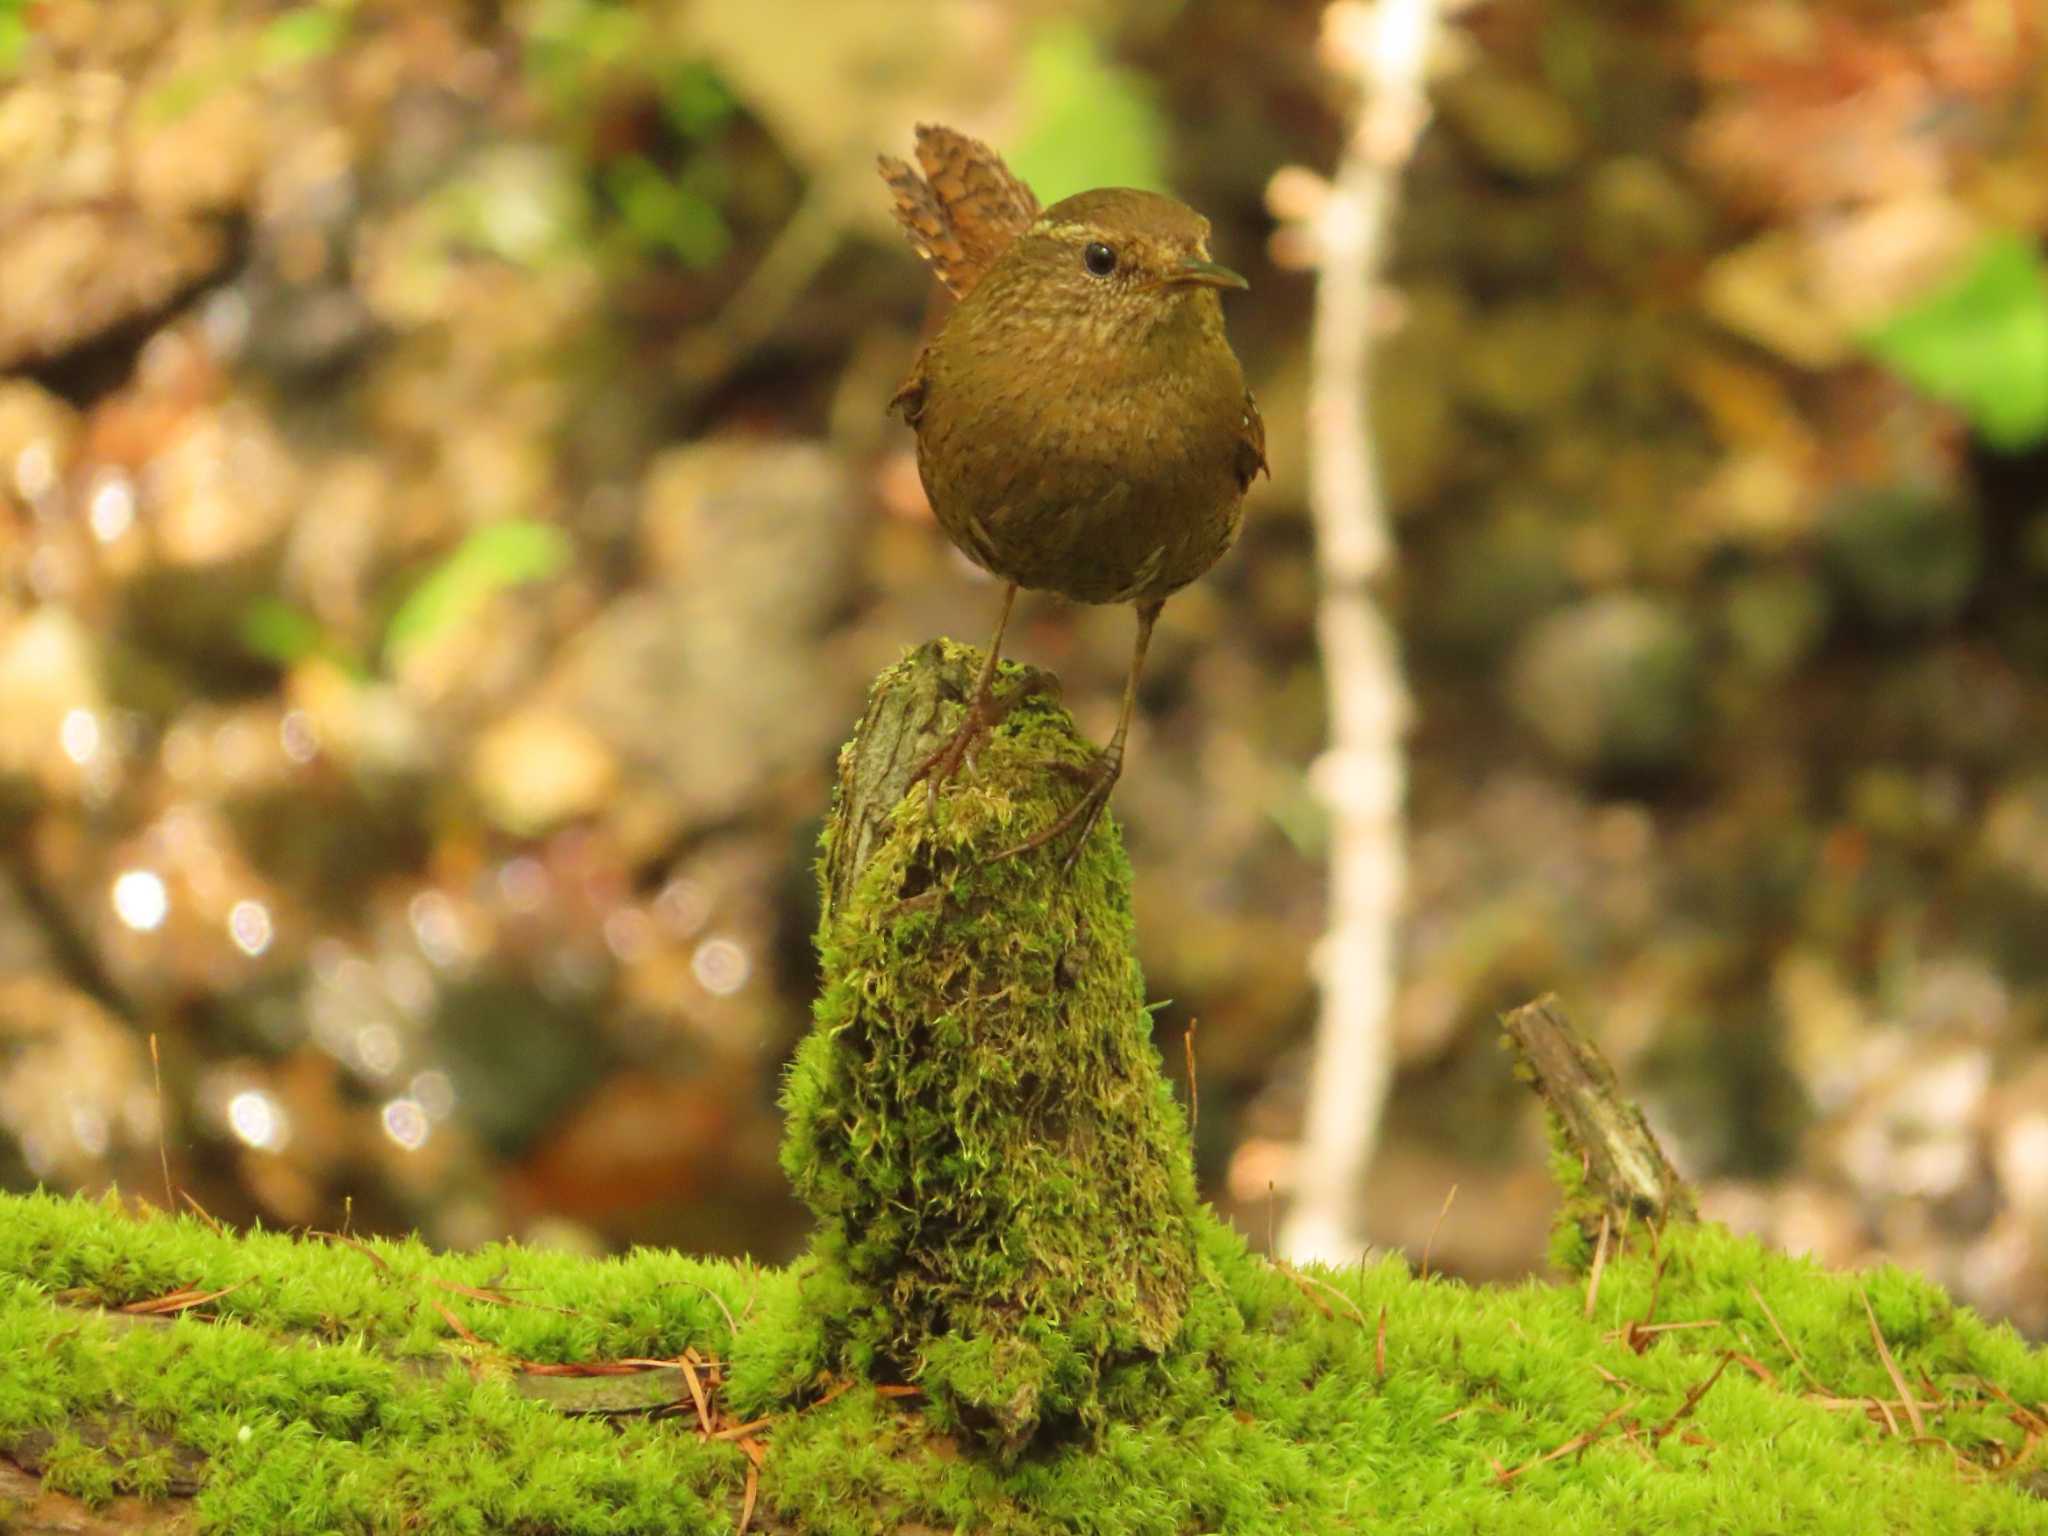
[(1362, 777)]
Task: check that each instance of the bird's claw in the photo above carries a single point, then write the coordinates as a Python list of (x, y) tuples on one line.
[(1080, 817), (956, 749)]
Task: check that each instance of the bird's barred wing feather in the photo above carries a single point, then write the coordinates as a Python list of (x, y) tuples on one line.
[(1251, 444), (964, 209), (908, 401)]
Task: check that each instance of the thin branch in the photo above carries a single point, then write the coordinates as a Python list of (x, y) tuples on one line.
[(1362, 777)]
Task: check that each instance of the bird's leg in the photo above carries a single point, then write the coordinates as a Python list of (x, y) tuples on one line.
[(981, 714), (1102, 777)]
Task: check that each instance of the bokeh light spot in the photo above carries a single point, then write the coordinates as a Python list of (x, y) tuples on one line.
[(140, 899), (434, 1092), (405, 1122), (298, 736), (258, 1120), (79, 735), (721, 967), (111, 510), (378, 1049), (250, 927)]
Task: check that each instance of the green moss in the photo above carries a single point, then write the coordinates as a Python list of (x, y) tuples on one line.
[(1000, 1172), (1177, 1383), (1269, 1412)]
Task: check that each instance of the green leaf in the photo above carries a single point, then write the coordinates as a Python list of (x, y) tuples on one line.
[(1087, 123), (1980, 342), (488, 562), (286, 635), (670, 213), (694, 99), (299, 36), (276, 631), (13, 34)]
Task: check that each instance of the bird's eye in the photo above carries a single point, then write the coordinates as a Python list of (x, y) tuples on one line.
[(1098, 258)]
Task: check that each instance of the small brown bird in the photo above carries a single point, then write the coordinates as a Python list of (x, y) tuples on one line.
[(1082, 424)]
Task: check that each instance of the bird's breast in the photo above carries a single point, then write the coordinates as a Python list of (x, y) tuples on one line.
[(1104, 473)]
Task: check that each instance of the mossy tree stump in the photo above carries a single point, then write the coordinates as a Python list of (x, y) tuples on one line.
[(1000, 1172)]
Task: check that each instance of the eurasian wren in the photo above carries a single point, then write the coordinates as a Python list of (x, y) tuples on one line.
[(1082, 424)]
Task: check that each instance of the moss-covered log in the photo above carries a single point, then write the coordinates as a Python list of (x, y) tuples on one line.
[(1016, 1319)]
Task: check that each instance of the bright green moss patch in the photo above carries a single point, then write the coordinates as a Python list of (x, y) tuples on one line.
[(1270, 1413)]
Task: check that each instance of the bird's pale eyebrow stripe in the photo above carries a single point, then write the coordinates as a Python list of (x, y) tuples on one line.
[(1064, 230)]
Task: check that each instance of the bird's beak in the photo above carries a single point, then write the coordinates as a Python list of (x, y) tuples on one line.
[(1203, 274)]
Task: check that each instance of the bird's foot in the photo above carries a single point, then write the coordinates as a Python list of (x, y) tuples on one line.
[(1080, 817), (983, 715)]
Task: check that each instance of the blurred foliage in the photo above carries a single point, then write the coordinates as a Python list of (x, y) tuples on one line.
[(295, 37), (1980, 342), (586, 56), (1084, 121), (489, 561), (14, 33)]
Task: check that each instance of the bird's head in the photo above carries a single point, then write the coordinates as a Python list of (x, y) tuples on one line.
[(1113, 263)]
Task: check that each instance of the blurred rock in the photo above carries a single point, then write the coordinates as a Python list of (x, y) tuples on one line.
[(1767, 292), (51, 699), (35, 423), (536, 768), (1612, 684), (1906, 558), (1515, 125), (74, 1088), (1774, 619), (712, 684), (1530, 360), (69, 276), (1499, 576), (222, 488), (1641, 209)]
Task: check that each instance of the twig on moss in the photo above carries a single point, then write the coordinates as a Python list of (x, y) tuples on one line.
[(731, 1327), (2035, 1424), (1692, 1399), (1639, 1336), (346, 1241), (462, 1329), (491, 1297), (163, 1146), (1194, 1090), (752, 1493), (1891, 1366), (1430, 1246), (182, 1300), (1577, 1442), (202, 1212), (1304, 1281), (1757, 1368), (696, 1386), (1599, 1264), (1379, 1347), (1785, 1339)]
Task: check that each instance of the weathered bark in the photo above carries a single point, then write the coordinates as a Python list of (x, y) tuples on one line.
[(1625, 1175)]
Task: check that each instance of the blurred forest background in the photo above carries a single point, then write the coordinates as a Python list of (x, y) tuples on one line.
[(448, 522)]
